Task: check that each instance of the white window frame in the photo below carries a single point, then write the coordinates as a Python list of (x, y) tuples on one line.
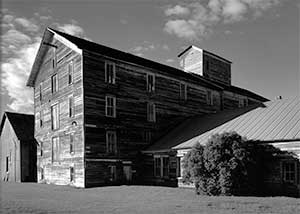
[(41, 92), (70, 72), (183, 93), (150, 86), (72, 142), (110, 108), (55, 154), (111, 142), (71, 106), (151, 112), (54, 58), (41, 119), (72, 174), (53, 116), (162, 167), (291, 170), (54, 84), (110, 76)]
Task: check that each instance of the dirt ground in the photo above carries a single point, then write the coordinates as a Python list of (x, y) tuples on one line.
[(44, 198)]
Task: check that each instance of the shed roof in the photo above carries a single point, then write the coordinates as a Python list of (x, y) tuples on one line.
[(23, 125), (272, 121)]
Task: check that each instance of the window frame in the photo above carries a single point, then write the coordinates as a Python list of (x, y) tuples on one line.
[(150, 86), (161, 170), (41, 92), (54, 84), (71, 106), (72, 174), (72, 143), (183, 93), (291, 171), (151, 112), (209, 98), (55, 105), (70, 72), (112, 172), (110, 75), (54, 58), (112, 107), (111, 146), (55, 152)]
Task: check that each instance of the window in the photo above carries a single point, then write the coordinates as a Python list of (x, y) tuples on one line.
[(7, 161), (42, 174), (110, 106), (183, 92), (54, 83), (243, 102), (41, 118), (72, 143), (161, 166), (157, 167), (111, 142), (41, 143), (178, 168), (113, 173), (165, 166), (54, 61), (289, 172), (148, 136), (72, 174), (150, 82), (110, 72), (209, 98), (55, 149), (151, 112), (70, 72), (41, 92), (71, 106), (54, 117)]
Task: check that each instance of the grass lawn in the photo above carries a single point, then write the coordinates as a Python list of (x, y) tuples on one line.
[(43, 198)]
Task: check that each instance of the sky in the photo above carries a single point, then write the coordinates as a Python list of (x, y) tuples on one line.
[(260, 37)]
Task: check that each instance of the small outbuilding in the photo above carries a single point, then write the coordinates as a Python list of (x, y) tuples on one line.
[(18, 148)]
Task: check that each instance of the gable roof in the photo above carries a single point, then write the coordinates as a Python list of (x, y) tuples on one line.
[(23, 125), (272, 121), (130, 58)]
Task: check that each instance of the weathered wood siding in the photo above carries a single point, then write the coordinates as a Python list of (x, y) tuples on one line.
[(231, 100), (131, 108), (10, 148), (216, 70), (59, 172)]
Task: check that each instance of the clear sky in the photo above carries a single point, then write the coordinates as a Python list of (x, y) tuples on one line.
[(260, 37)]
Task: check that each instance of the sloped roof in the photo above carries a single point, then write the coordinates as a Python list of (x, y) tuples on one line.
[(117, 54), (273, 121), (23, 125)]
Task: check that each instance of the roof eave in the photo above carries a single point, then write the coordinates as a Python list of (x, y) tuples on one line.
[(35, 67)]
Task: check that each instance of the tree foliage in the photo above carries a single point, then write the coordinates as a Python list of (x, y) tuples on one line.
[(227, 164)]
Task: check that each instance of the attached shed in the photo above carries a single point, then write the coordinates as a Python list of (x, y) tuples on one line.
[(18, 148), (274, 123)]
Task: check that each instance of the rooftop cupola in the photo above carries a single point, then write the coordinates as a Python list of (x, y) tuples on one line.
[(209, 65)]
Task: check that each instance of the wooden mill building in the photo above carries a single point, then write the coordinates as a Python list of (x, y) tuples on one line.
[(17, 148), (97, 108)]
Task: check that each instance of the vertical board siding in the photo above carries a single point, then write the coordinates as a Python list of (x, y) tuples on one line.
[(59, 172)]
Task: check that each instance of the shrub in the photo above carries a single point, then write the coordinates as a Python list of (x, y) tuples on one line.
[(227, 165)]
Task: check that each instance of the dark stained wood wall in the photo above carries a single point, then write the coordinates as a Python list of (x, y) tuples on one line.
[(131, 111), (59, 172)]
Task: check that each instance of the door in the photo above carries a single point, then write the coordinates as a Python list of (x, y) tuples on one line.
[(127, 173)]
